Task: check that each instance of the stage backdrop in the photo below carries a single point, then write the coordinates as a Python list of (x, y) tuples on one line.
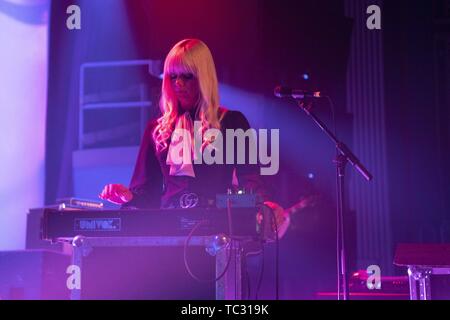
[(23, 91)]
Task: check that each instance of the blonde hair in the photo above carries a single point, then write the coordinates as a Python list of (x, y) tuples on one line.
[(188, 56)]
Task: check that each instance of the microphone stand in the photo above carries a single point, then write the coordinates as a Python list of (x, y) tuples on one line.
[(343, 156)]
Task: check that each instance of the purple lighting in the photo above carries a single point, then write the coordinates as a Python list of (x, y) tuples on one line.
[(23, 62)]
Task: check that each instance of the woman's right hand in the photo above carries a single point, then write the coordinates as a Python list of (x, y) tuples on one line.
[(116, 193)]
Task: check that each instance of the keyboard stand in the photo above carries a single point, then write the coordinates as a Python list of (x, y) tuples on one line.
[(229, 287)]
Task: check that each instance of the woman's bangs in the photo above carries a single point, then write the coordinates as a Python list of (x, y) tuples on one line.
[(179, 64)]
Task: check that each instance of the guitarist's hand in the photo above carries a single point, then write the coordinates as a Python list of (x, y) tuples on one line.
[(282, 218), (305, 202)]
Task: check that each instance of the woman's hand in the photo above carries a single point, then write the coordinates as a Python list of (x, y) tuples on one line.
[(116, 193)]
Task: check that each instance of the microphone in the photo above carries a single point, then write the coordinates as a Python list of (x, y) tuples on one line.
[(286, 92)]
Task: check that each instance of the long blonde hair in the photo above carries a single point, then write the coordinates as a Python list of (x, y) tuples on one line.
[(188, 56)]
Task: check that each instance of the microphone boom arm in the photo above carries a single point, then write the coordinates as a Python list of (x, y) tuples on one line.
[(342, 147)]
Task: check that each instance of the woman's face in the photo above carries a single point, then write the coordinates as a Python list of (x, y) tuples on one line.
[(186, 88)]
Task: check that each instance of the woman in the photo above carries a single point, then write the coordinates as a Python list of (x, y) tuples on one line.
[(189, 94)]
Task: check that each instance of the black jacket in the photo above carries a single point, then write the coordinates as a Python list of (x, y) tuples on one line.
[(153, 187)]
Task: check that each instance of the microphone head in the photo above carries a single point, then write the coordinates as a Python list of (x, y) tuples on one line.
[(286, 92)]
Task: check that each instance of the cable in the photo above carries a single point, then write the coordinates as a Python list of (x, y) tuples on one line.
[(260, 274), (247, 254), (186, 264), (249, 287), (230, 232), (277, 275), (186, 244), (230, 222)]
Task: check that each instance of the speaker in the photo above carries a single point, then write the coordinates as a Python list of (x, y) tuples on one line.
[(33, 275)]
